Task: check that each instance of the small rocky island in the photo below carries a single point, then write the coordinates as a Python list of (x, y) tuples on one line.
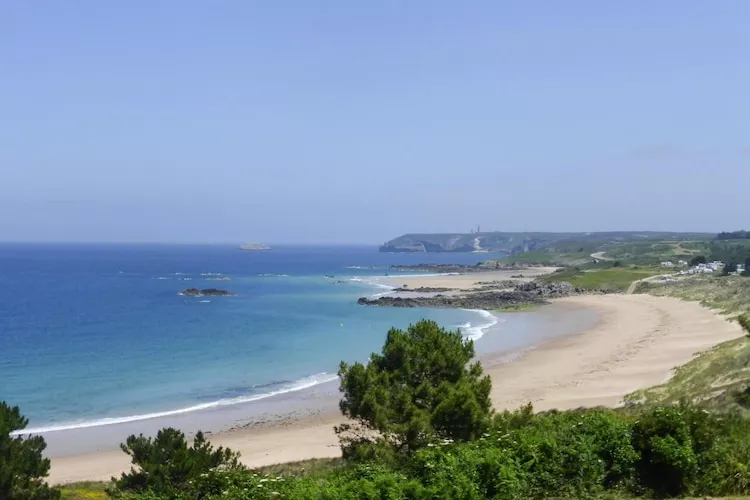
[(206, 292), (522, 294), (254, 246)]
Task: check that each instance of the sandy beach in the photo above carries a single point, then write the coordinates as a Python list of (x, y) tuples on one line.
[(467, 281), (636, 343)]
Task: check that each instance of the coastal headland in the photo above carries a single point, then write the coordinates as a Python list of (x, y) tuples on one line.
[(636, 342)]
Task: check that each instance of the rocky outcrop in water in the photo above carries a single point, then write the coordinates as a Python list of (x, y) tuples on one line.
[(213, 292), (521, 294)]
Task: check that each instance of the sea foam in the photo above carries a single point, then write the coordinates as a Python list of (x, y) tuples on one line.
[(476, 332)]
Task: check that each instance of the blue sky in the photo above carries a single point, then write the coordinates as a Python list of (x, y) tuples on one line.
[(341, 121)]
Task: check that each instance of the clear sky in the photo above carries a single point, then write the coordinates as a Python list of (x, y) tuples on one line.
[(354, 121)]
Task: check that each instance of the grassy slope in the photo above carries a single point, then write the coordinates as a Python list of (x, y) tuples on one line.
[(718, 377), (85, 491), (728, 294), (636, 251), (603, 276), (650, 252)]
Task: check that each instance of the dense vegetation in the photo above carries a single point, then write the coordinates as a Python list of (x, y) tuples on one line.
[(731, 252), (734, 235), (166, 465), (661, 452)]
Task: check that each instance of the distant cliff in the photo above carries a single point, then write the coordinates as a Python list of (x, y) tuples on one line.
[(473, 242), (511, 243)]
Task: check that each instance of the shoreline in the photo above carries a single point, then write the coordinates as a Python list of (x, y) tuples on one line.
[(639, 342), (635, 342), (280, 437)]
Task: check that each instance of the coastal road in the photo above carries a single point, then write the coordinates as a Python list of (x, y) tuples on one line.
[(634, 285)]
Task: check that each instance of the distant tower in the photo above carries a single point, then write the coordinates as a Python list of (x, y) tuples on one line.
[(478, 231)]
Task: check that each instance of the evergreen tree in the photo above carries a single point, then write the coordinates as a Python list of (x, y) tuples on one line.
[(22, 465), (165, 465), (421, 387)]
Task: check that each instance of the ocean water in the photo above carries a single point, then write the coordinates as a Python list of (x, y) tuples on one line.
[(92, 335)]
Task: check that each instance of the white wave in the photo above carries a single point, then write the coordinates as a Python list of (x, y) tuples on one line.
[(162, 278), (373, 281), (476, 332), (271, 275), (205, 301), (211, 274), (305, 383)]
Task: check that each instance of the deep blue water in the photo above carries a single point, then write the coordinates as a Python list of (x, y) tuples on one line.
[(91, 332)]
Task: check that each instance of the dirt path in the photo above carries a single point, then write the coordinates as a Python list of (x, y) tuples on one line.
[(600, 256)]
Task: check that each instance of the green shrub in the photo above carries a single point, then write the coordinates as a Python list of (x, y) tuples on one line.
[(744, 322), (668, 464), (166, 465)]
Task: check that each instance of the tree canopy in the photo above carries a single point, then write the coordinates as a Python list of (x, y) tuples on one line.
[(422, 386), (165, 465), (734, 235), (22, 465)]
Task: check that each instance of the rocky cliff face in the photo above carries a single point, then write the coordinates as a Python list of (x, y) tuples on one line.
[(473, 242)]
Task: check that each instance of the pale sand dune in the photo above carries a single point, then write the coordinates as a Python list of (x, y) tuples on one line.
[(637, 343)]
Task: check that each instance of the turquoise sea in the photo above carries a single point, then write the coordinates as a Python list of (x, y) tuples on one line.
[(92, 335)]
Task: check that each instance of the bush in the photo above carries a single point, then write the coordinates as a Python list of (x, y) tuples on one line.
[(669, 441), (729, 268), (744, 322), (166, 465), (421, 388), (22, 465)]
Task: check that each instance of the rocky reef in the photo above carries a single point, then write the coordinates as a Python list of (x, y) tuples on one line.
[(213, 292), (522, 294)]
